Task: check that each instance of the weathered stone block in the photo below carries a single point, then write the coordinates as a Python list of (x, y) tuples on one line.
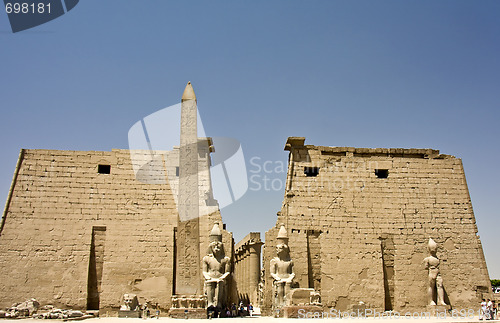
[(129, 314), (188, 313)]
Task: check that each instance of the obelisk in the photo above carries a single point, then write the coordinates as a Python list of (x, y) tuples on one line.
[(188, 272)]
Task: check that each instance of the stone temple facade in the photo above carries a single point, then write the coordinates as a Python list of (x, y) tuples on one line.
[(359, 221), (77, 237), (82, 228)]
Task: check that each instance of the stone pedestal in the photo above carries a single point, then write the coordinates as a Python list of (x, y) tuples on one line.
[(292, 311), (439, 310), (188, 306), (300, 296), (188, 313), (129, 314)]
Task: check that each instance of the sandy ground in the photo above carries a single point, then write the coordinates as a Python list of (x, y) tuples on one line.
[(266, 320)]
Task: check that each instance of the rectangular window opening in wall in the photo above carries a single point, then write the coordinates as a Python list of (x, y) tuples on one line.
[(104, 169), (177, 171), (311, 171), (382, 173)]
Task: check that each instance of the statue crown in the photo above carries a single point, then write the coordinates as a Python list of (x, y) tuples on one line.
[(215, 234), (282, 234)]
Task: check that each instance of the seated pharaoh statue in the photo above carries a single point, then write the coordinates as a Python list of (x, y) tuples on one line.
[(282, 269), (215, 270), (435, 288)]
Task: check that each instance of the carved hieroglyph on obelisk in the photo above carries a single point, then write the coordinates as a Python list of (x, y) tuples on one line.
[(188, 274)]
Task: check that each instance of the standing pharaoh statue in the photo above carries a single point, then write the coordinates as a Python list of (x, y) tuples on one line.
[(435, 279), (215, 270), (282, 269)]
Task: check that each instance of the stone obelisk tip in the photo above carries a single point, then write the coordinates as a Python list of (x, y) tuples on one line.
[(188, 93)]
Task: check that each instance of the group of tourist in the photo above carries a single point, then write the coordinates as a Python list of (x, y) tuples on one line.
[(230, 311), (488, 310)]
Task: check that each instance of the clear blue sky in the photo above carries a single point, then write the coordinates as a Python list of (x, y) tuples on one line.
[(422, 74)]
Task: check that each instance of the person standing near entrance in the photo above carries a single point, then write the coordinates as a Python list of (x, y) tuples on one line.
[(489, 307), (482, 311)]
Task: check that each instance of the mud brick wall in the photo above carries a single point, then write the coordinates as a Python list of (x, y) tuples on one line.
[(72, 234), (371, 213)]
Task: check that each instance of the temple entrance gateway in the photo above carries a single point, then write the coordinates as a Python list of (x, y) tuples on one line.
[(352, 232)]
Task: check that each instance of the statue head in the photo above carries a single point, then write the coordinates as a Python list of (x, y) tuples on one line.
[(215, 247), (432, 246), (282, 249), (130, 301)]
